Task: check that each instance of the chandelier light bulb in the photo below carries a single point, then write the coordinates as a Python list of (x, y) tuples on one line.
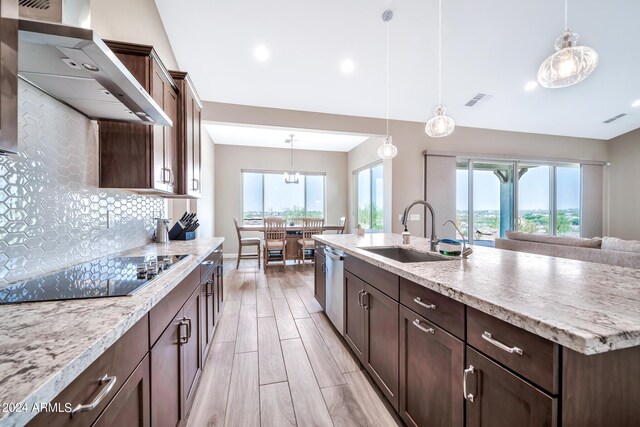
[(440, 124)]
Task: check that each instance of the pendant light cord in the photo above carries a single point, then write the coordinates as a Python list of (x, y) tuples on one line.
[(566, 15), (387, 55), (439, 52)]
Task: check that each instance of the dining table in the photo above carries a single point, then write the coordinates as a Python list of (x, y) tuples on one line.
[(297, 227)]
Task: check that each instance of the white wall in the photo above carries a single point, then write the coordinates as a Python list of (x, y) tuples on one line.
[(230, 160), (624, 186), (205, 206)]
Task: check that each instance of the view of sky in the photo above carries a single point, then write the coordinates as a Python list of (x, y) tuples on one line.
[(534, 189), (278, 195)]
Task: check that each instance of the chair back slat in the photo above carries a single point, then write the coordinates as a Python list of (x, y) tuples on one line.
[(235, 222), (342, 223), (274, 229), (311, 226)]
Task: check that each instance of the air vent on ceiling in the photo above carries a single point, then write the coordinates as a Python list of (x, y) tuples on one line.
[(34, 4), (614, 118), (481, 97)]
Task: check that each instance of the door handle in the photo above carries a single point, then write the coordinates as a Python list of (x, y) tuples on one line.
[(361, 298), (195, 184), (467, 396), (417, 324), (184, 322), (108, 383), (487, 337), (365, 300)]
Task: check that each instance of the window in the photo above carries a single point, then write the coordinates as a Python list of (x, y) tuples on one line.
[(540, 199), (266, 194), (370, 197)]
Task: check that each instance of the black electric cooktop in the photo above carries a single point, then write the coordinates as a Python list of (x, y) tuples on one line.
[(105, 277)]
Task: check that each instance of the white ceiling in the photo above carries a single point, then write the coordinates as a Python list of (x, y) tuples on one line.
[(260, 136), (490, 46)]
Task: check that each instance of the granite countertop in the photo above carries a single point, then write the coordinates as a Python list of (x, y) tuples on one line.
[(44, 346), (587, 307)]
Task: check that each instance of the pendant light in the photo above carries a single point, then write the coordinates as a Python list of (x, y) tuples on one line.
[(291, 177), (440, 124), (570, 64), (387, 150)]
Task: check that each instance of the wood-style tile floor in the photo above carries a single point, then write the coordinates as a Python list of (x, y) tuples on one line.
[(277, 361)]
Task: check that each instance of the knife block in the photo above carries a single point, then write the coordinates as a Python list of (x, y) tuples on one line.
[(178, 232)]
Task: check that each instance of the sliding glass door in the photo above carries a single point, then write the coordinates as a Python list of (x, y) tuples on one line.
[(534, 198), (492, 200), (370, 197)]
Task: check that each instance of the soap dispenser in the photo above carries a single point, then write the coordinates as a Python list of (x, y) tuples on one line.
[(406, 236)]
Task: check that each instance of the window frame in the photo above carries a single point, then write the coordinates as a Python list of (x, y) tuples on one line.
[(368, 167), (263, 172), (553, 193)]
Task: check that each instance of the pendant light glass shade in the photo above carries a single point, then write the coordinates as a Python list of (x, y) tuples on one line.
[(291, 177), (570, 64), (387, 150), (440, 124)]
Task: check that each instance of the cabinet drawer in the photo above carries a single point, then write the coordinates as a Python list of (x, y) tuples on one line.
[(441, 310), (216, 255), (117, 363), (531, 356), (375, 276), (163, 312), (206, 270)]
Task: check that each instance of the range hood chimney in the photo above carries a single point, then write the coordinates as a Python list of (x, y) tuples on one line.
[(62, 56)]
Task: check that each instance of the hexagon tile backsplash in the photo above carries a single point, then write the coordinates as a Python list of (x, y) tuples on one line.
[(52, 213)]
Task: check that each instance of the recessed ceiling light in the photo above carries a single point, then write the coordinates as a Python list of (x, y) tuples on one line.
[(531, 85), (261, 53), (636, 103), (347, 66)]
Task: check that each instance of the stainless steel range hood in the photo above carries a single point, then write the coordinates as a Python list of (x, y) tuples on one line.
[(75, 66)]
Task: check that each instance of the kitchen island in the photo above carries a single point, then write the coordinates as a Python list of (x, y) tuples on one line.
[(48, 346), (501, 337)]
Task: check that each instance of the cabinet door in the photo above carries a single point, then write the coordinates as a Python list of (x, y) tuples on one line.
[(381, 342), (130, 407), (166, 375), (431, 364), (500, 398), (207, 307), (220, 288), (191, 354), (171, 138), (8, 76), (320, 281), (160, 178), (354, 314)]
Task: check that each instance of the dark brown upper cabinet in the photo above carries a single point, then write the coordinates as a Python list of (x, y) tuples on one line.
[(8, 76), (189, 129), (142, 157)]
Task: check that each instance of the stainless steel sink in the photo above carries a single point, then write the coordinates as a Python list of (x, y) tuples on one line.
[(406, 255)]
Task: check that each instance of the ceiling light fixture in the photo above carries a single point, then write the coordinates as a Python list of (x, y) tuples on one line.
[(347, 66), (387, 150), (636, 103), (291, 177), (570, 64), (530, 85), (440, 125), (261, 53)]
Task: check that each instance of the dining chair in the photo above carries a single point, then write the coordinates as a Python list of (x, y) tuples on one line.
[(310, 226), (275, 242), (246, 242), (342, 223)]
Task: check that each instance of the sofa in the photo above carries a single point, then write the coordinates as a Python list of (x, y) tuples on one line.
[(606, 250)]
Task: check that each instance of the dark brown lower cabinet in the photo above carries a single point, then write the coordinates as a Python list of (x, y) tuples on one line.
[(130, 407), (166, 375), (430, 373), (354, 314), (496, 397), (208, 300), (191, 353), (381, 341), (320, 280)]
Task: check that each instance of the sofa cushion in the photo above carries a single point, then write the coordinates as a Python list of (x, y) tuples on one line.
[(595, 242), (615, 244)]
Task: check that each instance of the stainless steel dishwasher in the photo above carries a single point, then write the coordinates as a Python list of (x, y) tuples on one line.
[(335, 287)]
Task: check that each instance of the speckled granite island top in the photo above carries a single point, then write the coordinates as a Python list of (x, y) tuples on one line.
[(44, 346), (587, 307)]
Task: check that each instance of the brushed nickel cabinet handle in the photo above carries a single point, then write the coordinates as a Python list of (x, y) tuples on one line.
[(181, 339), (195, 184), (487, 337), (108, 383), (365, 300), (360, 298), (207, 262), (417, 324), (467, 396), (418, 301)]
